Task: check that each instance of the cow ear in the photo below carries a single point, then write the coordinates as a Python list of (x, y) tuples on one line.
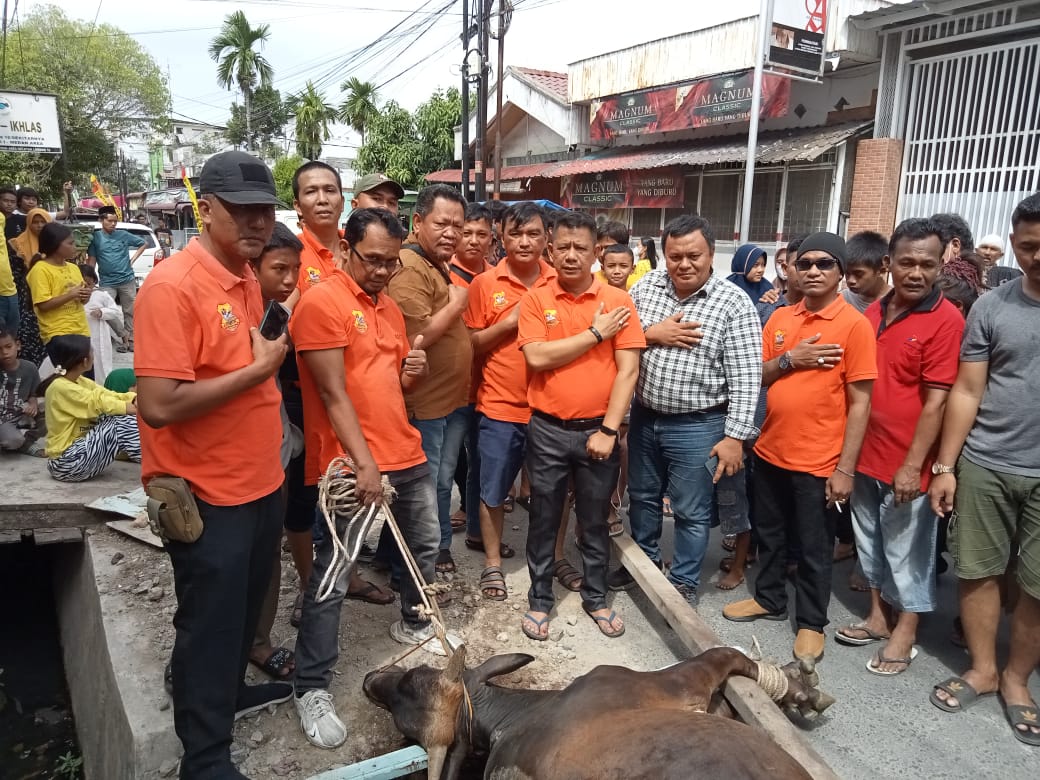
[(498, 665), (456, 666)]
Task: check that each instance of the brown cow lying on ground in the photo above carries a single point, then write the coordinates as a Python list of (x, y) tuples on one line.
[(610, 723)]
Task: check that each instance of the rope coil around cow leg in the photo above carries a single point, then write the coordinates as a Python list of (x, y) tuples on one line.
[(337, 496), (772, 680)]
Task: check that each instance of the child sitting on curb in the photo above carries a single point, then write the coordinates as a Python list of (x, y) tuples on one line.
[(20, 417), (87, 425)]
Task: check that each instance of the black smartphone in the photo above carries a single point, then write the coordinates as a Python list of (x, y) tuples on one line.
[(275, 321)]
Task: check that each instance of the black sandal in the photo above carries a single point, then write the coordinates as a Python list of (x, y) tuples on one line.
[(492, 579), (567, 575), (445, 564), (476, 544)]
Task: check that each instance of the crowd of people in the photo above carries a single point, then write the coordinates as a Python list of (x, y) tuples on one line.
[(845, 409)]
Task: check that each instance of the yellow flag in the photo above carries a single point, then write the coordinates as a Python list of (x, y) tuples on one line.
[(101, 193), (194, 200)]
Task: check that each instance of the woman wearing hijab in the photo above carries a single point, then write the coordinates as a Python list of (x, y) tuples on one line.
[(22, 249), (749, 268)]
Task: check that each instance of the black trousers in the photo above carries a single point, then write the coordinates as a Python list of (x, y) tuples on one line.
[(221, 580), (791, 512), (554, 455)]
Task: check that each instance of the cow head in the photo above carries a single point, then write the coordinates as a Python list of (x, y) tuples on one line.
[(424, 703)]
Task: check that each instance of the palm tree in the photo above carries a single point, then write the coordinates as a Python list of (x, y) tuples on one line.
[(313, 117), (360, 106), (238, 63)]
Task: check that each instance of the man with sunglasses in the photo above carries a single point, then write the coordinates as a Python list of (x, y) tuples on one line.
[(356, 365), (816, 416)]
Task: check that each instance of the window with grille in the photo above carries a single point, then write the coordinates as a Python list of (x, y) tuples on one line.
[(808, 201), (765, 206), (720, 204), (646, 222)]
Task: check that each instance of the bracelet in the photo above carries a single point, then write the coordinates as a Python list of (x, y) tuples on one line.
[(843, 471), (597, 334)]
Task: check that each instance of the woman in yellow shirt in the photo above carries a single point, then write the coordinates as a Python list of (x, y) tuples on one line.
[(57, 286), (87, 425)]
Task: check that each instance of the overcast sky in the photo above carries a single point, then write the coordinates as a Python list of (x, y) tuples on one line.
[(310, 39)]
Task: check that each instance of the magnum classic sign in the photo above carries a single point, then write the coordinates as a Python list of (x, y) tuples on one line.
[(700, 103), (661, 188)]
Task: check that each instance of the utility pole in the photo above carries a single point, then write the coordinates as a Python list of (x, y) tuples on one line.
[(465, 99), (3, 64), (479, 167), (764, 18), (504, 7)]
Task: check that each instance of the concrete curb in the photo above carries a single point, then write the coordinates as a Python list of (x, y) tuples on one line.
[(114, 679)]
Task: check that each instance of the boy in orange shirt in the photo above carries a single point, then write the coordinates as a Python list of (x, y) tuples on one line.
[(570, 330)]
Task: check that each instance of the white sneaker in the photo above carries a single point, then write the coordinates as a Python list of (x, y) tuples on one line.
[(425, 636), (318, 719)]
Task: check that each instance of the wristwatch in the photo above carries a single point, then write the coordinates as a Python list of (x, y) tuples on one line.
[(938, 468), (784, 362), (608, 431)]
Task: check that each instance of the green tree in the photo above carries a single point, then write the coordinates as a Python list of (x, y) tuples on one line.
[(268, 116), (313, 117), (238, 63), (359, 109), (284, 168), (107, 85), (408, 146)]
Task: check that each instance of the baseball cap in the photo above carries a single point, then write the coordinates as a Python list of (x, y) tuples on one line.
[(371, 181), (239, 178)]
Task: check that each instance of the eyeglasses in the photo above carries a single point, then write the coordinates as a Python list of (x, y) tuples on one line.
[(390, 266), (824, 264)]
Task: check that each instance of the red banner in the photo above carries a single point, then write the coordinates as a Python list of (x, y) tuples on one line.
[(662, 188), (700, 103)]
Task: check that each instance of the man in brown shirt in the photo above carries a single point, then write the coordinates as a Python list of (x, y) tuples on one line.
[(433, 308)]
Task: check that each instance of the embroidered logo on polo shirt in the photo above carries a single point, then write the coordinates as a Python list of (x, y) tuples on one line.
[(359, 320), (313, 274), (550, 318), (778, 339), (228, 320), (498, 299)]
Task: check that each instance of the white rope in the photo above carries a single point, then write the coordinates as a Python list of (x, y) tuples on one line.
[(772, 680), (337, 496)]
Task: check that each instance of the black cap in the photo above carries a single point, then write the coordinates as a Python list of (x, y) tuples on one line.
[(239, 178), (832, 244)]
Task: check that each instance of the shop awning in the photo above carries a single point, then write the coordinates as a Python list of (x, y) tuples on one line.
[(776, 146), (509, 173)]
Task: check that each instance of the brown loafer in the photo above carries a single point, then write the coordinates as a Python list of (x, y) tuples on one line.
[(808, 645), (747, 610)]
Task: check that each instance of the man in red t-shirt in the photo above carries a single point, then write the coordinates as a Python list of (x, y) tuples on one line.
[(918, 348)]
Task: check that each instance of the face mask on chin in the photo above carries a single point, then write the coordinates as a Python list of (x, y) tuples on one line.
[(781, 274)]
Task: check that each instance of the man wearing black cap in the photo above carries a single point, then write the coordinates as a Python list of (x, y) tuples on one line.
[(816, 415), (202, 370)]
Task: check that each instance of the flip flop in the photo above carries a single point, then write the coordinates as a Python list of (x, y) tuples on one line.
[(280, 664), (366, 594), (604, 624), (858, 641), (729, 542), (458, 522), (961, 690), (508, 505), (1022, 715), (476, 544), (445, 564), (538, 623), (882, 660)]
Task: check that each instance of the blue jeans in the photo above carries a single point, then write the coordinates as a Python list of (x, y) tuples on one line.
[(317, 643), (10, 314), (896, 544), (667, 456), (442, 440)]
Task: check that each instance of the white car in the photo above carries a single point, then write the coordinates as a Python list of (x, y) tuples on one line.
[(154, 252)]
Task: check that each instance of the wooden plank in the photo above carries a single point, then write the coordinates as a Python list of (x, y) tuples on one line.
[(744, 695), (57, 535), (10, 537), (386, 767)]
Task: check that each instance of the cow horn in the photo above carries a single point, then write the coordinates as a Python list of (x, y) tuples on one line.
[(756, 649), (824, 701), (436, 755), (456, 665)]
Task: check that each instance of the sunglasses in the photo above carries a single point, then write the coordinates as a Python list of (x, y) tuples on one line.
[(824, 264)]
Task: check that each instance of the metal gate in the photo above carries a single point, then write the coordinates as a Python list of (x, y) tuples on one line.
[(972, 141)]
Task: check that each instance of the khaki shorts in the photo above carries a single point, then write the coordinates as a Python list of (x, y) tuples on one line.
[(993, 511)]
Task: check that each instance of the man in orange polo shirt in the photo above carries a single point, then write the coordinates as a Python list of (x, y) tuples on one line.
[(210, 415), (318, 199), (492, 315), (805, 459), (377, 191), (581, 340), (356, 367)]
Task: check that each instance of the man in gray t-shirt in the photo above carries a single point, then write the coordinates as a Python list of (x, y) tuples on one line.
[(994, 487)]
